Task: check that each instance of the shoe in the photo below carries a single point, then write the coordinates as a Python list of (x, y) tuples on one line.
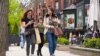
[(39, 53), (32, 54), (22, 47), (27, 55), (53, 54)]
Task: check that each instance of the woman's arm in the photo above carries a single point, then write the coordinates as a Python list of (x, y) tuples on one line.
[(25, 25)]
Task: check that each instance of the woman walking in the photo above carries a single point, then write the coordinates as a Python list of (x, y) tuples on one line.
[(41, 30), (28, 24), (39, 25), (49, 31), (22, 37)]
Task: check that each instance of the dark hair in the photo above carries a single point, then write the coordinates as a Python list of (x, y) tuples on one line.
[(47, 15), (53, 12), (25, 14)]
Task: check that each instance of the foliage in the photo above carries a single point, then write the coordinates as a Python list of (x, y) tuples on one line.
[(92, 43), (15, 14), (98, 44), (63, 40)]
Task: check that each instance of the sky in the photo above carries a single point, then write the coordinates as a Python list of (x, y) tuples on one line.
[(25, 2)]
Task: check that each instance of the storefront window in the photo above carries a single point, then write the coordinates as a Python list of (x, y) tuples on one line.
[(80, 17)]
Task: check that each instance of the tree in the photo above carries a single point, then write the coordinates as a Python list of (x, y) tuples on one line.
[(4, 5), (15, 14)]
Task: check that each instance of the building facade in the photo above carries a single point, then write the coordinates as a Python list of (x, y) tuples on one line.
[(82, 9)]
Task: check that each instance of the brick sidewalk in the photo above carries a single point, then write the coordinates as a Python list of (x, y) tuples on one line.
[(17, 51)]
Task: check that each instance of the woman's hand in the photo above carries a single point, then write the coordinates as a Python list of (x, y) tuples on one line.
[(30, 22), (36, 24), (52, 27)]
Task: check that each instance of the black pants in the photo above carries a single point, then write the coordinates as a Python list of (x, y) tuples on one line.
[(30, 40), (42, 42)]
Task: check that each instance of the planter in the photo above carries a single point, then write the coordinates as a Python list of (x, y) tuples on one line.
[(84, 51), (14, 39)]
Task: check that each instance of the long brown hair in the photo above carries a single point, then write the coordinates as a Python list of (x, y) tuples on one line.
[(53, 12), (25, 14)]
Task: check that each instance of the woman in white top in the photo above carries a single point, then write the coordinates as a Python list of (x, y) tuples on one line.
[(49, 31)]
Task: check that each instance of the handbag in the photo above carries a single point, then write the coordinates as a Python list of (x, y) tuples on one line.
[(58, 31), (28, 32)]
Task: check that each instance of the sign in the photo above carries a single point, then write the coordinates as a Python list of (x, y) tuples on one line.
[(70, 21)]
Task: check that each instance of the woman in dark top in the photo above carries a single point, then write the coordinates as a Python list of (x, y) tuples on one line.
[(28, 24)]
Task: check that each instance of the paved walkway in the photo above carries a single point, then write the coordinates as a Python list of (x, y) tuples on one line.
[(17, 51)]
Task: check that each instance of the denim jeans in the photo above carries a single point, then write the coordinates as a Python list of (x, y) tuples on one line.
[(52, 41), (22, 40)]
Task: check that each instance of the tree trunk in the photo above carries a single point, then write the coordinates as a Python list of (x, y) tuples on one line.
[(4, 5)]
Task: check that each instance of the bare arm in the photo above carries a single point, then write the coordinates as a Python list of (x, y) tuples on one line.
[(25, 25)]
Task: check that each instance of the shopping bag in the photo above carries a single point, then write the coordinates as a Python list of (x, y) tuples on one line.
[(37, 33)]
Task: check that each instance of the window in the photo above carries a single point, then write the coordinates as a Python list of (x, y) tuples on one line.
[(57, 5)]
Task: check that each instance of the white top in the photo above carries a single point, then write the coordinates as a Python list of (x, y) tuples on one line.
[(46, 24), (22, 29)]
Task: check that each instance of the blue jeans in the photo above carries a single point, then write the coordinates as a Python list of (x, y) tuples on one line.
[(22, 40), (52, 41)]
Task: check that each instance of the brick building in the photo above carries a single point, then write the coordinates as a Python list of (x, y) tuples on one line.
[(49, 3)]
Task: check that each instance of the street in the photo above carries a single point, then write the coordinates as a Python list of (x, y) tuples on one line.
[(17, 51)]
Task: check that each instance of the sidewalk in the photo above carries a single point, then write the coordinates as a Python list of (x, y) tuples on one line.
[(17, 51)]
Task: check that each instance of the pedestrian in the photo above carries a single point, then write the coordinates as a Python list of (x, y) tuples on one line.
[(49, 31), (88, 34), (28, 24), (96, 33), (22, 37), (74, 39), (41, 29)]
